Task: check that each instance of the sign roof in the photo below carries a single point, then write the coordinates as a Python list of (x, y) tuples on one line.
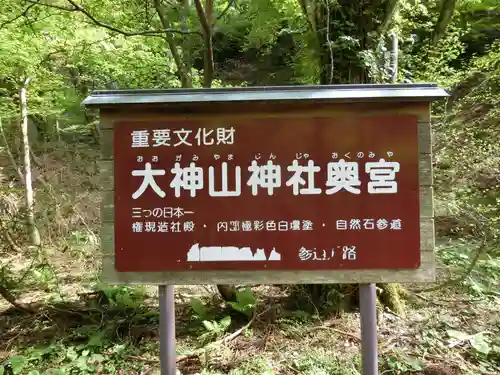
[(325, 93)]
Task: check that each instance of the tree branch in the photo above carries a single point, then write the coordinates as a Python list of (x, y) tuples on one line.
[(205, 17), (9, 297), (390, 10), (172, 45), (445, 15), (78, 8), (202, 16), (305, 11), (223, 13), (303, 30), (23, 14)]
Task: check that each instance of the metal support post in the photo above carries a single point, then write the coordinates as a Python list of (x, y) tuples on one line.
[(168, 358), (369, 342)]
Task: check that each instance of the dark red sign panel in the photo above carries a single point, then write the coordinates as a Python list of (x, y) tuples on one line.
[(275, 193)]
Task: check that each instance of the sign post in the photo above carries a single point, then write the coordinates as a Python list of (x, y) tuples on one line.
[(308, 184), (369, 342), (168, 358)]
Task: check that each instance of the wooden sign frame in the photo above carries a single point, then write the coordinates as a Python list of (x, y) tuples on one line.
[(298, 102)]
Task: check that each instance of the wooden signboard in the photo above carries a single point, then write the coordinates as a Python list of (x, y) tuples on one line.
[(310, 184)]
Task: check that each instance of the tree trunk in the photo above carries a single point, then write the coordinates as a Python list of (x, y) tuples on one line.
[(9, 153), (9, 297), (28, 188), (228, 292), (183, 71), (205, 18), (445, 15)]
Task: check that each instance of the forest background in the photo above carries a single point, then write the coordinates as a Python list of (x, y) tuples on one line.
[(58, 318)]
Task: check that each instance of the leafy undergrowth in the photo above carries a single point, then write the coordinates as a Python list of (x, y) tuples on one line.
[(113, 330)]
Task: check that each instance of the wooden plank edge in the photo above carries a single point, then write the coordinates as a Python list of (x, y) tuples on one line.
[(426, 273), (427, 235), (424, 137), (425, 174), (426, 202)]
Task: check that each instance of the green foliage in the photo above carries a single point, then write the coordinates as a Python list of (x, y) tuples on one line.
[(121, 62), (18, 363), (98, 337), (214, 329), (65, 57), (484, 347), (400, 363), (255, 365), (245, 302), (123, 295), (420, 60), (484, 279), (211, 327), (318, 361), (293, 322), (467, 148), (200, 309), (481, 20), (60, 359), (44, 276), (24, 55)]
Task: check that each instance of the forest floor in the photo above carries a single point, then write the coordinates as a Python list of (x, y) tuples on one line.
[(84, 327), (114, 331)]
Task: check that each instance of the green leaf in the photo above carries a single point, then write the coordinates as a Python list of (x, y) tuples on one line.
[(458, 335), (225, 323), (97, 338), (81, 363), (18, 363), (415, 364), (97, 358), (199, 308), (34, 372), (245, 301), (245, 297), (480, 344), (209, 325), (118, 348), (71, 354)]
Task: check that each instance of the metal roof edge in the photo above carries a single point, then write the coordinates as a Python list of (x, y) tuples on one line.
[(333, 93)]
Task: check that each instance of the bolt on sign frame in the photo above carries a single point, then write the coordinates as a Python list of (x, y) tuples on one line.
[(287, 184)]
